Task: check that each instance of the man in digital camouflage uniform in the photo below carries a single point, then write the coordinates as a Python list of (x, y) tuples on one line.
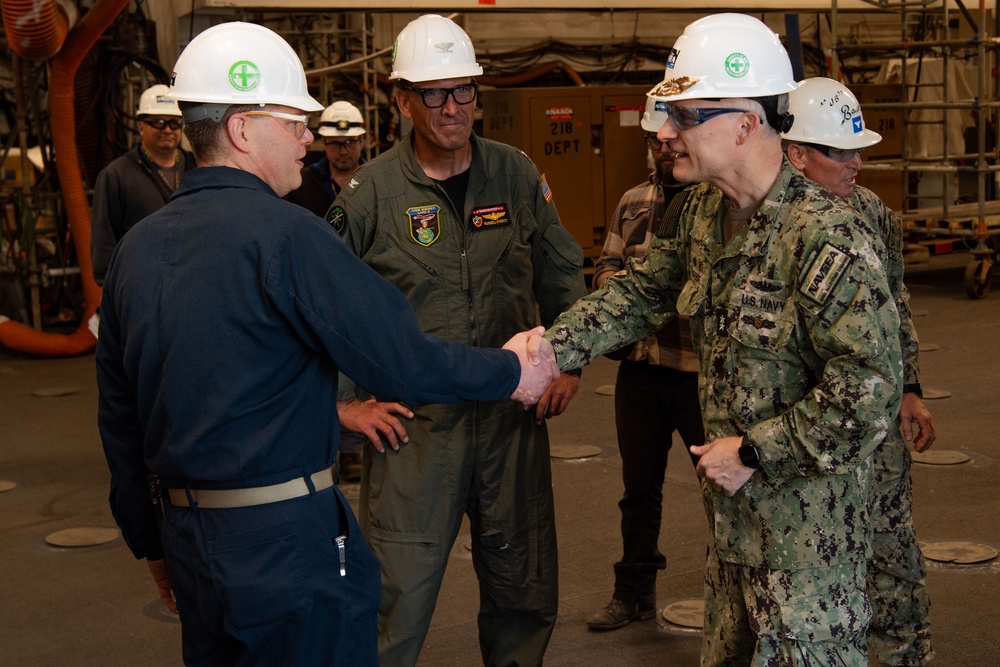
[(796, 331), (825, 144), (467, 230)]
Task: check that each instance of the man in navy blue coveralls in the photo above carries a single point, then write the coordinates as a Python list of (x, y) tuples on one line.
[(226, 317)]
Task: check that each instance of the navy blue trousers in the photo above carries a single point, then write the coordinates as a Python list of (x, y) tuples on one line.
[(262, 585)]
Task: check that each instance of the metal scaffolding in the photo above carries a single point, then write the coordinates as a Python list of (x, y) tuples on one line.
[(974, 222)]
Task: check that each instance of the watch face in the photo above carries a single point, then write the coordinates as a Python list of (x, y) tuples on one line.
[(749, 456)]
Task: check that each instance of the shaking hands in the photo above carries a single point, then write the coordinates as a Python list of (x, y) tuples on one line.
[(538, 365)]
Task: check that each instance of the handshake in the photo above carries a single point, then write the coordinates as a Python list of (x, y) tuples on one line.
[(538, 365)]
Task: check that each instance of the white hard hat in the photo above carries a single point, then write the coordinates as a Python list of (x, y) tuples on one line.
[(655, 115), (827, 113), (725, 56), (341, 119), (155, 102), (240, 63), (433, 47)]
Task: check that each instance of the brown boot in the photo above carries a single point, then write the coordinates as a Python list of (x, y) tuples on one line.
[(617, 615), (349, 467)]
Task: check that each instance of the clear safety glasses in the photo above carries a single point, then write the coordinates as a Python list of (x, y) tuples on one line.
[(300, 121)]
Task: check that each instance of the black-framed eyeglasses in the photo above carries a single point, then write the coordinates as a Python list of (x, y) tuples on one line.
[(435, 98), (687, 117), (654, 143), (160, 123), (836, 154), (341, 143)]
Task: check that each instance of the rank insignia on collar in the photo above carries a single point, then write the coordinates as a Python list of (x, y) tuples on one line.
[(425, 223), (490, 216)]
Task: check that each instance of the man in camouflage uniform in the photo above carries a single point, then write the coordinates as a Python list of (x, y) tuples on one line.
[(825, 144), (796, 331)]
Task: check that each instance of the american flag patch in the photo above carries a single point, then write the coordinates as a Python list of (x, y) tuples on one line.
[(546, 191)]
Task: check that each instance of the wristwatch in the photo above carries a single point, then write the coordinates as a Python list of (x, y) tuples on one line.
[(749, 455)]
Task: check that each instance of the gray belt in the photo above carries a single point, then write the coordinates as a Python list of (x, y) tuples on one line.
[(258, 495)]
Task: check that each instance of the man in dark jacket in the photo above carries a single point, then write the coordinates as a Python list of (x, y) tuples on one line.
[(141, 181)]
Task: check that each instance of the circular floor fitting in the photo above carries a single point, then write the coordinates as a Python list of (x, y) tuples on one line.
[(52, 392), (574, 451), (940, 457), (960, 553), (82, 537), (686, 613), (932, 394)]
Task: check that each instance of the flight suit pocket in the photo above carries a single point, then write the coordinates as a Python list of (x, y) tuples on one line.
[(517, 563)]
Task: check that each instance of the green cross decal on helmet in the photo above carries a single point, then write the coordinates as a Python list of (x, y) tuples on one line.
[(737, 65), (244, 75)]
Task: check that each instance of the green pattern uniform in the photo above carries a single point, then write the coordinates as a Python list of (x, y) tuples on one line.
[(797, 335)]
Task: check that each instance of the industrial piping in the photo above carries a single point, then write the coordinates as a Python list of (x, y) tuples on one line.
[(78, 42)]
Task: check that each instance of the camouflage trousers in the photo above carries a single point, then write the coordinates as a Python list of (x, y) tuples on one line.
[(900, 632), (758, 617)]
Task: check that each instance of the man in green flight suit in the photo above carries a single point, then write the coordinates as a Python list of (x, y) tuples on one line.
[(796, 332), (467, 230)]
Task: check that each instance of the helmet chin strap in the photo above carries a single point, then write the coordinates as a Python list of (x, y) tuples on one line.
[(782, 122)]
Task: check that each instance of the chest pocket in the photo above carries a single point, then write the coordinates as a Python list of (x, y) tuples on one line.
[(635, 228), (762, 314), (691, 298)]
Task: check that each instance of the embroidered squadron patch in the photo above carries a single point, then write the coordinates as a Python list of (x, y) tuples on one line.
[(824, 272), (490, 216), (337, 218), (425, 223), (546, 191)]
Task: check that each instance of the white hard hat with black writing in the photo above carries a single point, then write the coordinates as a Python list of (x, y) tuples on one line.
[(828, 113), (155, 101)]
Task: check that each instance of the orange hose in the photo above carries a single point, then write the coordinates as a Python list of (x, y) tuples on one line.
[(35, 29), (79, 41)]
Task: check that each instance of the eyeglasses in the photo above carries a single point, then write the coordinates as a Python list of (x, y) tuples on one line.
[(435, 98), (301, 121), (654, 143), (836, 154), (160, 123), (341, 144), (687, 117)]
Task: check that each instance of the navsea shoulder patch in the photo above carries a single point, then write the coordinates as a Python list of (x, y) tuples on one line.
[(337, 218), (425, 223), (490, 216), (824, 272)]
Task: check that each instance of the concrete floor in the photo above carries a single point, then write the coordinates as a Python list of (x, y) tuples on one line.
[(97, 605)]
